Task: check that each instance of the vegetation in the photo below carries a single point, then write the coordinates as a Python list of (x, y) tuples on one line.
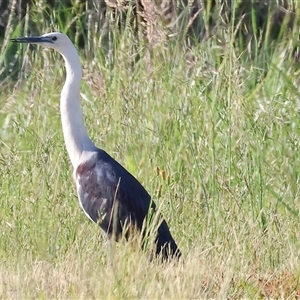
[(211, 129)]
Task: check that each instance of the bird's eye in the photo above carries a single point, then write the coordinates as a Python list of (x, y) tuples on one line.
[(54, 38)]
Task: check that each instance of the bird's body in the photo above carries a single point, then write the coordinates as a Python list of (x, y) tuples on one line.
[(113, 198), (108, 194)]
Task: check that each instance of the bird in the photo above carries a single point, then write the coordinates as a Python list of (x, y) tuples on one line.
[(108, 194)]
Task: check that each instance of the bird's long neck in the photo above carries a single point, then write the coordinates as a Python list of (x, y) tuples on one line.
[(75, 134)]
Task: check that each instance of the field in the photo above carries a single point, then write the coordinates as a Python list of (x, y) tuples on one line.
[(212, 132)]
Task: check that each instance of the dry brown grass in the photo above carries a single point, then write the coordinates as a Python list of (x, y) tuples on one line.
[(129, 275)]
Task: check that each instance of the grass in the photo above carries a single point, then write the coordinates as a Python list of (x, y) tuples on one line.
[(215, 142)]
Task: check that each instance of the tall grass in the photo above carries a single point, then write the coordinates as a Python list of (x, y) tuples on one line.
[(211, 134)]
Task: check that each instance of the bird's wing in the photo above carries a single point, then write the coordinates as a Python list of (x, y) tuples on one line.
[(103, 185)]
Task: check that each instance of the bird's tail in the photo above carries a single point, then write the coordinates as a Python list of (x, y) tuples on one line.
[(165, 244)]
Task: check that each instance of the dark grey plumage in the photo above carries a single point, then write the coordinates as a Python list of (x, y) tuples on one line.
[(113, 198)]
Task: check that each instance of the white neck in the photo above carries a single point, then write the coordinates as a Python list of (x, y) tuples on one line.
[(75, 134)]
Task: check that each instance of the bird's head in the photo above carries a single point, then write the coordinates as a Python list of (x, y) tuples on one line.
[(55, 40)]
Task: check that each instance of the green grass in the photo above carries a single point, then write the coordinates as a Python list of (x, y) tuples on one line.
[(226, 132)]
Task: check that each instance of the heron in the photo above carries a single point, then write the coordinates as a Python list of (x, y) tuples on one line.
[(108, 194)]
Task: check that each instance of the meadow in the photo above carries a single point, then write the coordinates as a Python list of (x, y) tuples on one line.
[(211, 131)]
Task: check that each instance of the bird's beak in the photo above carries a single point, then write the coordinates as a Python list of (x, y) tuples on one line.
[(33, 40)]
